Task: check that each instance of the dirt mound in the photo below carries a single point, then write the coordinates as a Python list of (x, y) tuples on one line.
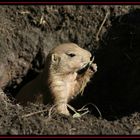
[(29, 32), (42, 120)]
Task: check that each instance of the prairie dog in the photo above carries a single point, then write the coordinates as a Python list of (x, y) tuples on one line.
[(65, 75)]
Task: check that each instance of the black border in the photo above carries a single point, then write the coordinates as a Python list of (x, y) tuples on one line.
[(70, 136), (76, 2), (68, 2)]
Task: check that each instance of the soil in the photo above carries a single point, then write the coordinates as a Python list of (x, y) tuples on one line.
[(111, 100)]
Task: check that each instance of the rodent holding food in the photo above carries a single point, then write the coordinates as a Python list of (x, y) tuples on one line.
[(68, 68)]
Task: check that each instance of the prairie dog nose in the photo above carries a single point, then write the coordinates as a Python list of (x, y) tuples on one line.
[(86, 52)]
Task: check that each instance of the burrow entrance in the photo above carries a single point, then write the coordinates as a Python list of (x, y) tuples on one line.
[(115, 88)]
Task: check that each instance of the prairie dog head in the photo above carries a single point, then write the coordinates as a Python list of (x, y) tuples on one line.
[(68, 58)]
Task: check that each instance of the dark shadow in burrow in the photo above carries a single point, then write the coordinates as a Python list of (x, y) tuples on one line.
[(115, 88)]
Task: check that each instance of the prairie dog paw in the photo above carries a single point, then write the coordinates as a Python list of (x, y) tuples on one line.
[(93, 67), (62, 109)]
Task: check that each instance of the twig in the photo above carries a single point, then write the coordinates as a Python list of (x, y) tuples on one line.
[(24, 12), (42, 21), (105, 18), (34, 113), (129, 58), (90, 63), (92, 105), (85, 113), (72, 108), (50, 110)]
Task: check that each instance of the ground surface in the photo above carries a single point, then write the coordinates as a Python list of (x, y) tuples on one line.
[(29, 32)]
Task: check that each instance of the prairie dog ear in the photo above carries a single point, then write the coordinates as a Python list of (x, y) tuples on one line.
[(55, 58)]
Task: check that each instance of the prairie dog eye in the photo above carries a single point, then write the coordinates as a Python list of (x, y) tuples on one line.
[(71, 54)]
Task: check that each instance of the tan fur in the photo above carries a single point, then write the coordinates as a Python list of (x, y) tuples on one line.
[(60, 81)]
